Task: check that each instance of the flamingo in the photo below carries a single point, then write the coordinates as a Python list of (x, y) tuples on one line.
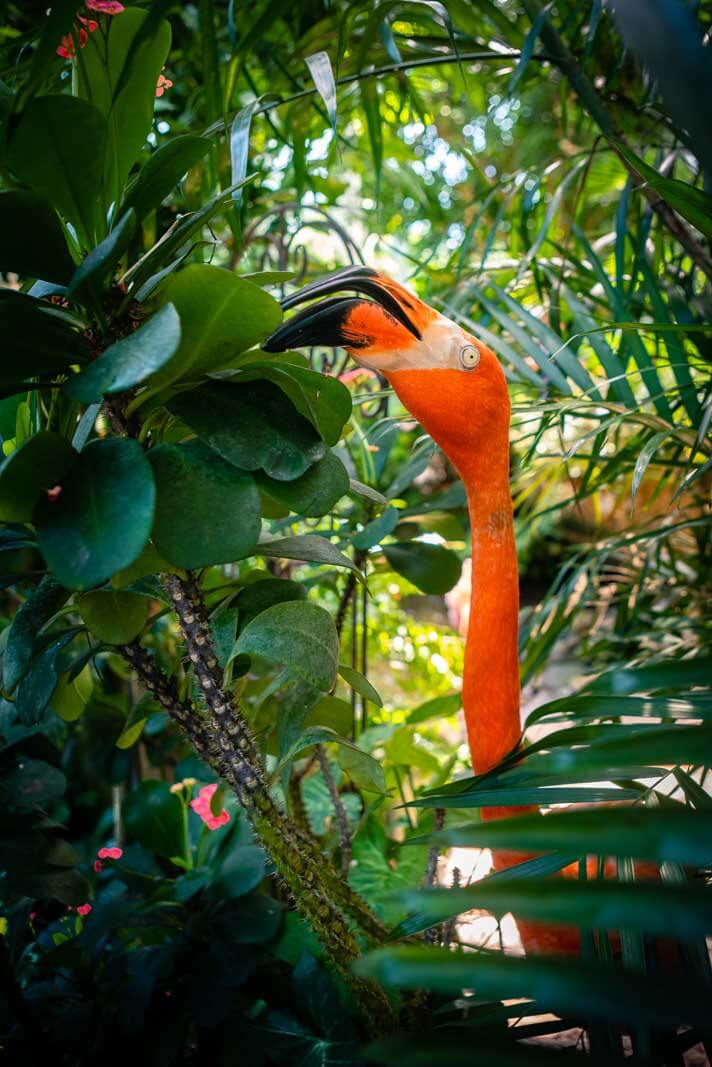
[(455, 387)]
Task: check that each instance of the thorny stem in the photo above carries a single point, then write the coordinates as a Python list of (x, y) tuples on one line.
[(223, 740), (339, 810)]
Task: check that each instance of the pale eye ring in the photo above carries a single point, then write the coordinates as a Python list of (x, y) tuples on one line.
[(469, 357)]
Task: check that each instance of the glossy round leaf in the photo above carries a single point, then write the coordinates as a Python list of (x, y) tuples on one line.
[(131, 361), (207, 511), (258, 596), (432, 568), (101, 520), (298, 635), (315, 492), (31, 239), (252, 425), (114, 617), (35, 341), (38, 465), (325, 401), (221, 316)]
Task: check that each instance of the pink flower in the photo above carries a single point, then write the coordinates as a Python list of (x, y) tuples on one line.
[(98, 866), (84, 909), (67, 48), (106, 7), (162, 84), (110, 853), (201, 807), (54, 492)]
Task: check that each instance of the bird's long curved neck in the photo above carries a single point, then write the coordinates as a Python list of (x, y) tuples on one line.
[(491, 668), (481, 456)]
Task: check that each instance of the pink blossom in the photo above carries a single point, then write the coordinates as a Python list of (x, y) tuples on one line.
[(84, 909), (201, 806), (54, 492), (98, 866), (90, 24), (105, 7), (162, 84), (110, 853)]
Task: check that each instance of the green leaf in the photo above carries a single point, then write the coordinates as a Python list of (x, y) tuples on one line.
[(102, 259), (131, 361), (668, 674), (58, 150), (258, 596), (128, 112), (333, 712), (38, 465), (32, 242), (240, 142), (162, 172), (307, 547), (315, 492), (153, 816), (35, 340), (71, 695), (374, 532), (559, 985), (360, 684), (136, 721), (221, 316), (38, 609), (207, 511), (693, 204), (252, 425), (321, 71), (432, 568), (37, 685), (443, 706), (115, 618), (363, 770), (298, 635), (241, 871), (678, 836), (679, 911), (325, 401), (102, 518)]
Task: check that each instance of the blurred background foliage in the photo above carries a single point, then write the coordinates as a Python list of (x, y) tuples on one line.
[(529, 170)]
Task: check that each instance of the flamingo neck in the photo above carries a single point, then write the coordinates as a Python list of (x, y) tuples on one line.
[(490, 691)]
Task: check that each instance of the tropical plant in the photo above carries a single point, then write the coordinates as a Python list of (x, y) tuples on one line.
[(216, 559)]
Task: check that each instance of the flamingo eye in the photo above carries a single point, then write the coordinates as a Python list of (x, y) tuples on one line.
[(469, 357)]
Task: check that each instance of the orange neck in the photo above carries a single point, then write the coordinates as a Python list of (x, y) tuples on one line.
[(474, 434), (490, 689)]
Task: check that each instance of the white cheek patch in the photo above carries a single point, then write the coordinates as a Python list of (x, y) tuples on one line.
[(438, 349)]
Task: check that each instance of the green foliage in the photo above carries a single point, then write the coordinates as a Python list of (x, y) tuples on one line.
[(145, 244)]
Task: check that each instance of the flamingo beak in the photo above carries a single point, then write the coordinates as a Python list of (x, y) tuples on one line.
[(330, 322)]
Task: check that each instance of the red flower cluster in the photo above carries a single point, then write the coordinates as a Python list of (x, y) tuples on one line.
[(106, 854), (163, 84), (201, 806), (103, 7)]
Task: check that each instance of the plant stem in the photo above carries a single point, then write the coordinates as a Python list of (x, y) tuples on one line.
[(339, 810)]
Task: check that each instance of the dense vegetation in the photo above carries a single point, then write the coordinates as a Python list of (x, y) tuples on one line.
[(229, 720)]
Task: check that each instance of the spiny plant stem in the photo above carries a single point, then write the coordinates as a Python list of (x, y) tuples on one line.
[(339, 809), (318, 893)]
